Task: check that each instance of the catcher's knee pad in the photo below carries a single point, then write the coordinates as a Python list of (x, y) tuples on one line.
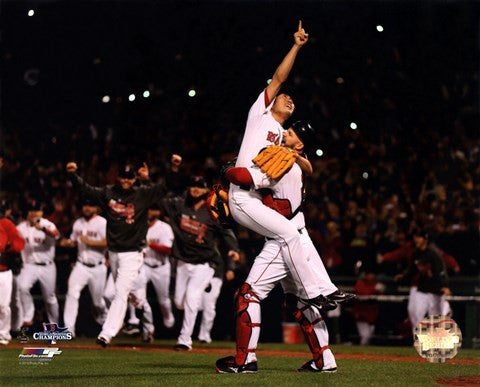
[(308, 327), (244, 324)]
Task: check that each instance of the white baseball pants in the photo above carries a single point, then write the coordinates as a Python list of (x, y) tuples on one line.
[(270, 268), (109, 291), (46, 276), (160, 277), (81, 276), (125, 268), (365, 331), (249, 211), (190, 284), (208, 307), (6, 279), (422, 304)]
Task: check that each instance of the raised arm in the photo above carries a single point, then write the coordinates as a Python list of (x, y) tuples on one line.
[(95, 194), (282, 72)]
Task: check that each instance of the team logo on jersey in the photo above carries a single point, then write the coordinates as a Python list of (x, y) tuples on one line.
[(437, 338), (193, 227), (273, 137), (126, 211), (52, 332)]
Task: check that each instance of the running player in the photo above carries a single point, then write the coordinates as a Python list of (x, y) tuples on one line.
[(89, 236), (38, 262)]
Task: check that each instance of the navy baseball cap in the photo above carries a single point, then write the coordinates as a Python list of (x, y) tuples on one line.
[(197, 181), (126, 171), (305, 132), (420, 232), (34, 205)]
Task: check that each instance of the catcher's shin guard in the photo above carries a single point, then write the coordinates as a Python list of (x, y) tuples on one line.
[(312, 336), (247, 306)]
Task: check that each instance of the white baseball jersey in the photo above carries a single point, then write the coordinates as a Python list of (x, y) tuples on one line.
[(39, 247), (262, 130), (160, 233), (94, 228), (289, 187)]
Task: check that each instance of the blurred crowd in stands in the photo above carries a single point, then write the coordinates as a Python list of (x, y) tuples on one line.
[(410, 159)]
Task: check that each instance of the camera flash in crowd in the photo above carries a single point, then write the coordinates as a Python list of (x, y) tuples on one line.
[(379, 28), (353, 125), (192, 93), (319, 152), (106, 99), (146, 94), (31, 12), (131, 97), (365, 175)]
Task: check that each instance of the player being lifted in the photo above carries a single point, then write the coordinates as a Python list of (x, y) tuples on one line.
[(285, 197), (264, 128)]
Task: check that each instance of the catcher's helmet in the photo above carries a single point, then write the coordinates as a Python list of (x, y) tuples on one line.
[(305, 133)]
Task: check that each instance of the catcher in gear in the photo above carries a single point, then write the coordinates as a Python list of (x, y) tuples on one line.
[(268, 270)]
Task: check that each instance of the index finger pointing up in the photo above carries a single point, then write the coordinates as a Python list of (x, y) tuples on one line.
[(299, 25)]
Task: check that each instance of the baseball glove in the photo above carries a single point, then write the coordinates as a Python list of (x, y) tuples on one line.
[(217, 206), (275, 161)]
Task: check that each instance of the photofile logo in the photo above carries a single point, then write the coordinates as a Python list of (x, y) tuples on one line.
[(38, 354)]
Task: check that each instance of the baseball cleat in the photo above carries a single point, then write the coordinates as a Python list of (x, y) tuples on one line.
[(131, 329), (310, 366), (227, 365), (182, 347), (147, 338), (339, 297), (4, 341), (102, 341), (320, 302)]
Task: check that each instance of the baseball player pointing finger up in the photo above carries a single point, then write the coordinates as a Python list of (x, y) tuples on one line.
[(264, 128)]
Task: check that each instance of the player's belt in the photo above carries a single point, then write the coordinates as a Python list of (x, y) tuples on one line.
[(152, 266), (245, 187), (43, 263), (90, 264)]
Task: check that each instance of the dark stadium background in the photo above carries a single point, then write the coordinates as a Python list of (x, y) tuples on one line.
[(412, 90)]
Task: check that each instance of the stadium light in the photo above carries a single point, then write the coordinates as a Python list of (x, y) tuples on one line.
[(319, 152), (106, 99), (131, 97), (353, 125), (192, 93), (146, 94), (379, 28), (31, 12)]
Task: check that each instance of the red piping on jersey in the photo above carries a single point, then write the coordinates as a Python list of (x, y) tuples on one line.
[(239, 176), (267, 101)]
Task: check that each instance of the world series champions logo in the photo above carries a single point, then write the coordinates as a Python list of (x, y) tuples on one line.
[(437, 338)]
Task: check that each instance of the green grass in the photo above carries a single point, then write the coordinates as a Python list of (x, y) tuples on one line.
[(117, 367)]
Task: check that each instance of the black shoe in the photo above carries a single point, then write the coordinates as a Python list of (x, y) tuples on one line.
[(340, 297), (226, 365), (131, 329), (102, 341), (147, 338), (320, 302), (309, 367), (182, 347)]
